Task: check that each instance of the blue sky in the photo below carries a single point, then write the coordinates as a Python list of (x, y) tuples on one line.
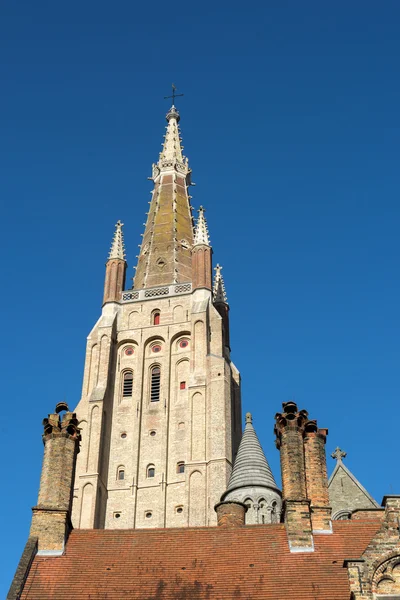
[(291, 123)]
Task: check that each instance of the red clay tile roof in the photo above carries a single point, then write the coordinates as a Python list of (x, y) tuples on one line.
[(250, 563)]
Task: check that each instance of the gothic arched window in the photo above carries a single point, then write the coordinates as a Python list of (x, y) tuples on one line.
[(155, 384), (156, 317), (180, 467), (127, 384), (151, 471), (121, 473)]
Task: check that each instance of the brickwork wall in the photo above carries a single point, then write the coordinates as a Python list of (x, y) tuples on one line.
[(230, 514), (202, 267), (377, 572)]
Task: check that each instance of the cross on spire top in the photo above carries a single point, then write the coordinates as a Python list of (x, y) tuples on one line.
[(174, 95), (339, 454)]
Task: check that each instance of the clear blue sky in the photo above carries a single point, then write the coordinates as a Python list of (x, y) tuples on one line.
[(291, 123)]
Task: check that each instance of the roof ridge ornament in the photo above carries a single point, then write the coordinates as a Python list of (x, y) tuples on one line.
[(201, 235), (117, 249), (219, 292), (339, 454)]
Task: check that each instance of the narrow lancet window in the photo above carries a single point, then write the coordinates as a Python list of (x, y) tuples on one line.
[(155, 385), (127, 384)]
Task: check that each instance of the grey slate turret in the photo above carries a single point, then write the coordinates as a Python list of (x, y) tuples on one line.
[(252, 481)]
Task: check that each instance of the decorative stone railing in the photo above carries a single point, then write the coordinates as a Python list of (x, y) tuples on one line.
[(177, 289)]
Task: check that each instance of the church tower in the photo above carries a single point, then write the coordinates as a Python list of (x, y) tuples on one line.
[(160, 413)]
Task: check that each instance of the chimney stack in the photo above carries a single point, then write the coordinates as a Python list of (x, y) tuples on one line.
[(289, 431), (51, 519), (317, 477)]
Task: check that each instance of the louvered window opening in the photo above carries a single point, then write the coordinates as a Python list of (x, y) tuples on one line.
[(127, 386), (155, 384)]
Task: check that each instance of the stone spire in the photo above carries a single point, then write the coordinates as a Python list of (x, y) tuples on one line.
[(252, 481), (201, 236), (219, 292), (165, 252), (117, 246), (172, 149)]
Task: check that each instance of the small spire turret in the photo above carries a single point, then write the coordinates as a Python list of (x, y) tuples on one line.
[(201, 235), (115, 267), (219, 292), (117, 249), (201, 254), (220, 301)]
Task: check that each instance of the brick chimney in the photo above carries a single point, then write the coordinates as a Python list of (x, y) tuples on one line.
[(289, 431), (230, 513), (51, 519), (317, 477)]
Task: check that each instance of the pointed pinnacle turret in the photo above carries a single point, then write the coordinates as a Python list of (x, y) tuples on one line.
[(115, 267), (117, 246), (219, 292), (201, 235)]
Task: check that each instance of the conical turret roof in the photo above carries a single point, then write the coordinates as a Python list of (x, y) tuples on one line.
[(251, 468)]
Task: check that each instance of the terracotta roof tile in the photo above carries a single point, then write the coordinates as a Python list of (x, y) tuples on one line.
[(251, 563)]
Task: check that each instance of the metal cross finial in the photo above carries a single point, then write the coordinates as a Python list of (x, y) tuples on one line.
[(173, 94), (339, 454)]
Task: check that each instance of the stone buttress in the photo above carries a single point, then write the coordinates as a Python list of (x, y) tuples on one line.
[(160, 412)]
